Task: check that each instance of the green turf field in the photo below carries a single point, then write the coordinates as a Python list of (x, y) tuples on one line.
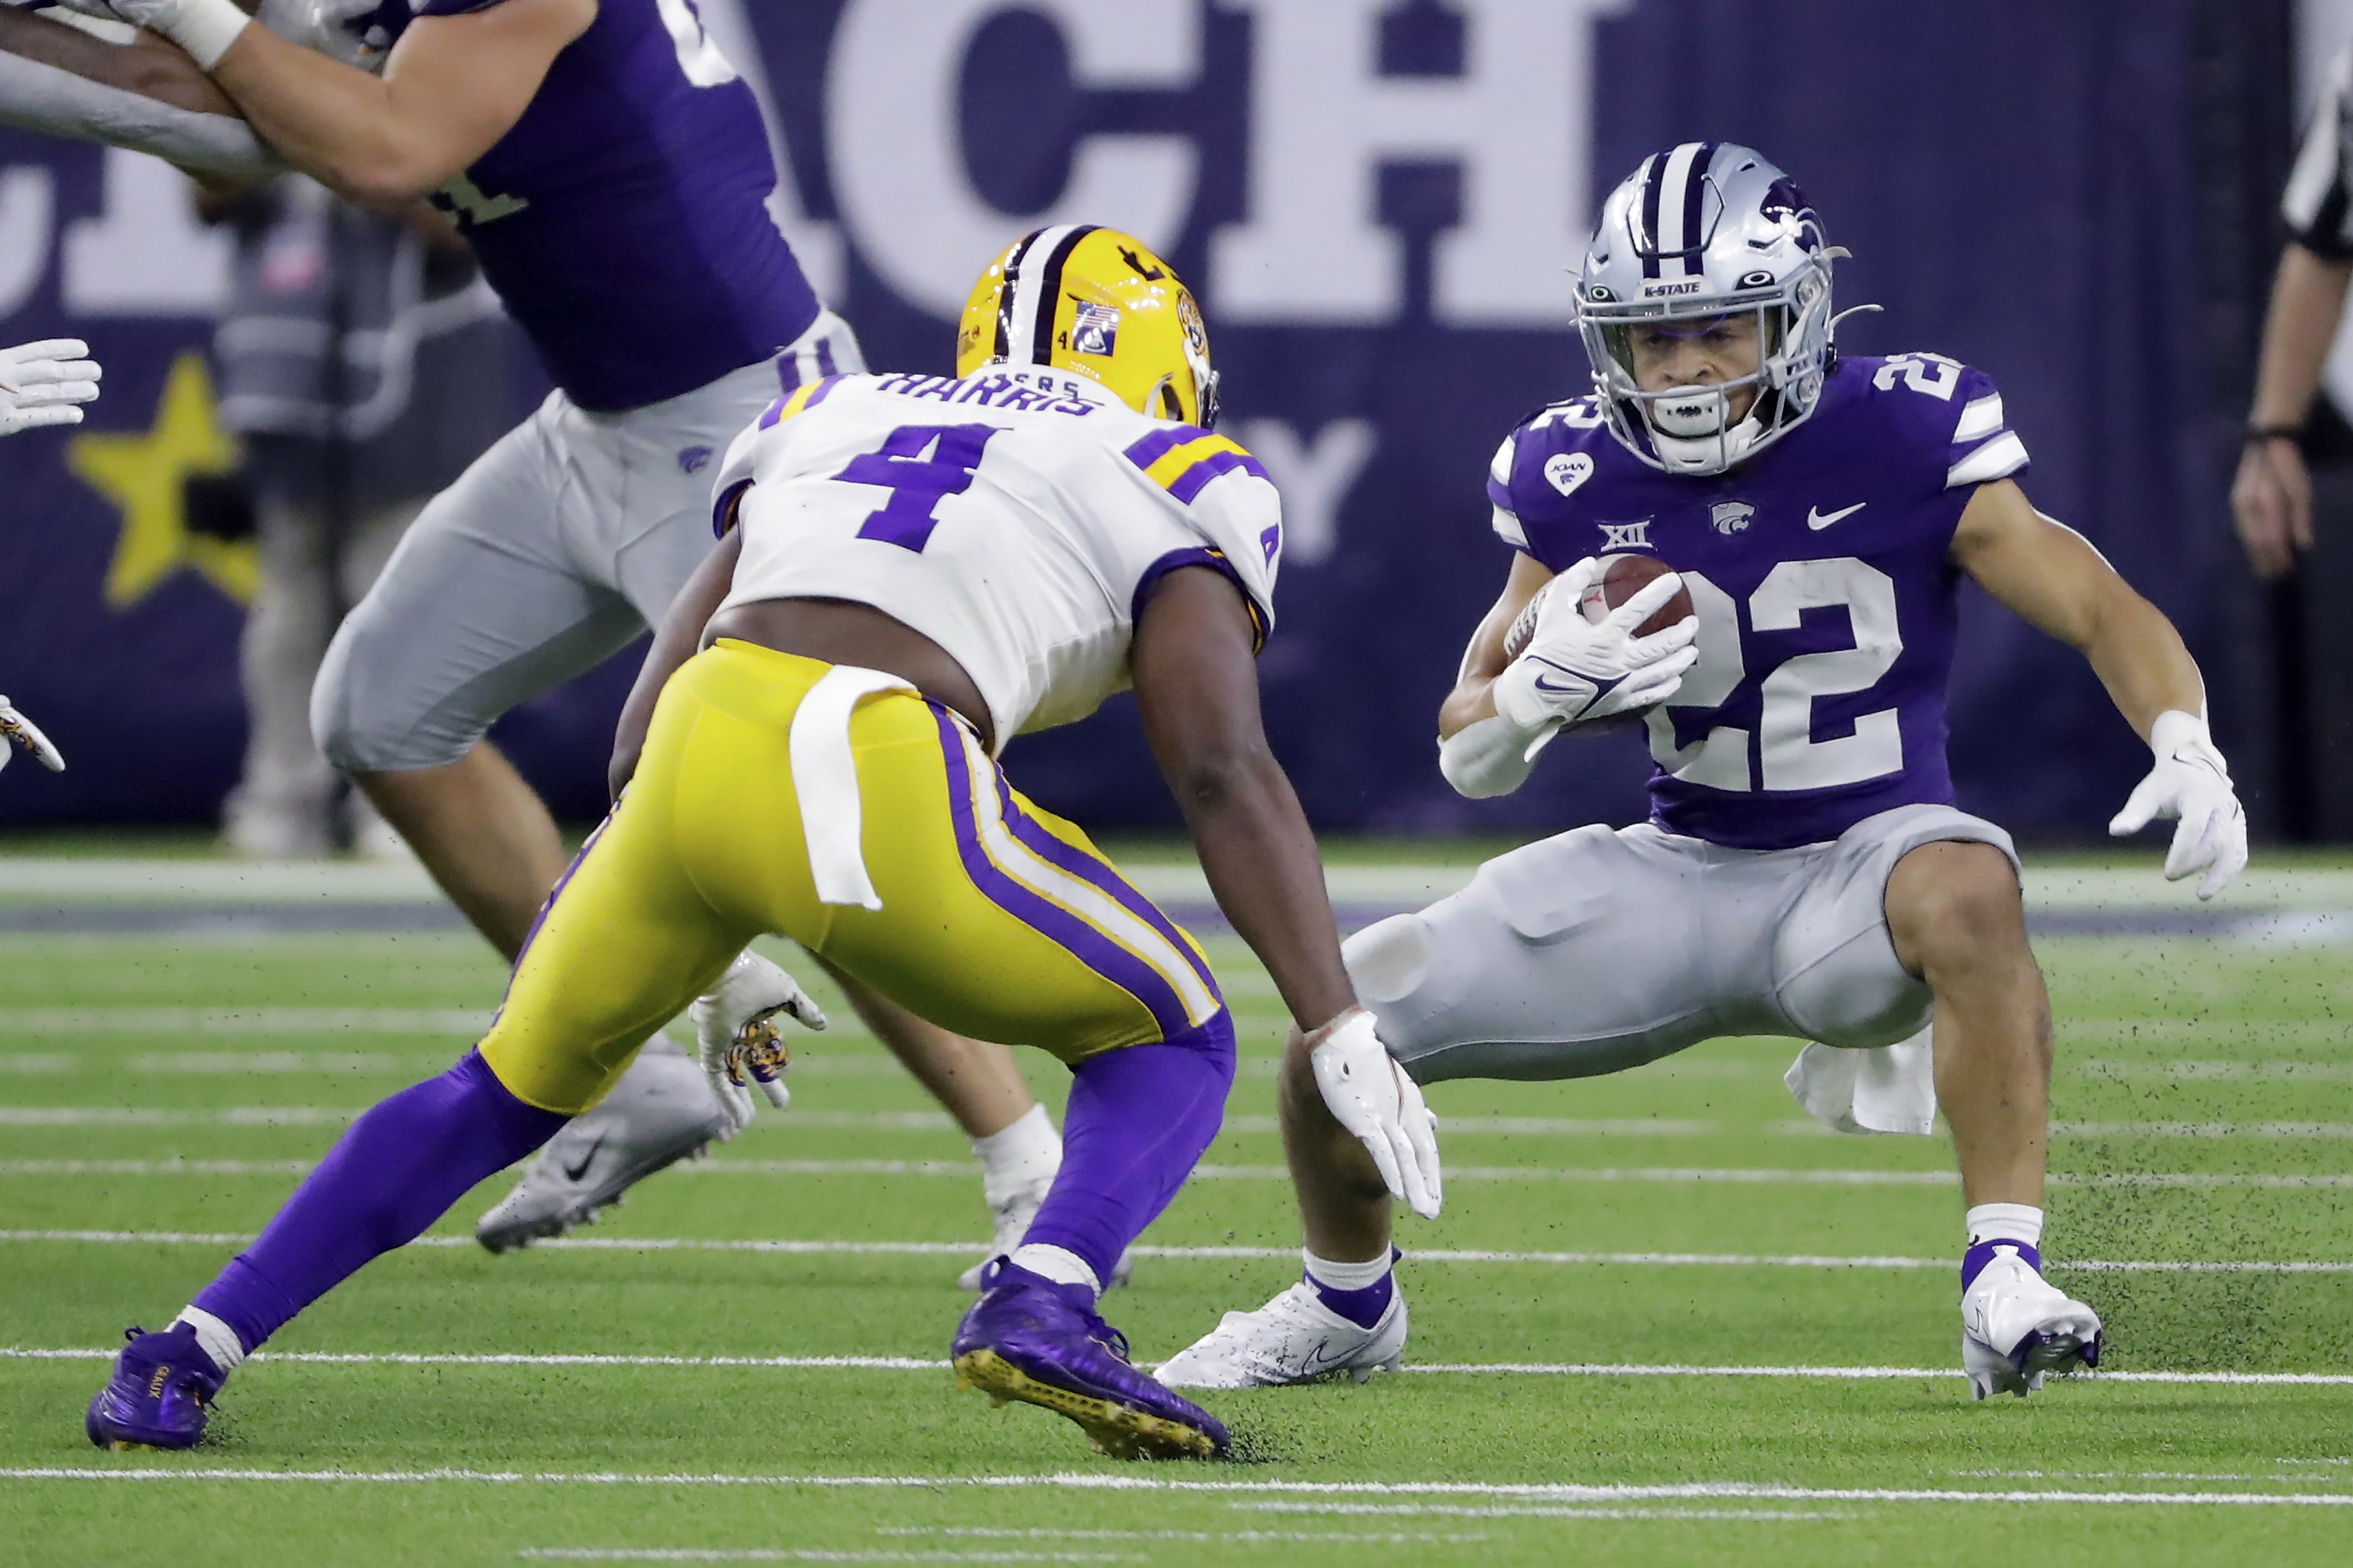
[(1696, 1330)]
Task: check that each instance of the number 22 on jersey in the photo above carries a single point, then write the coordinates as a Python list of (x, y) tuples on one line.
[(1787, 755)]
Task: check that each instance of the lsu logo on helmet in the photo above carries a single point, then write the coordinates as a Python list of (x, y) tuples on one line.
[(1097, 303)]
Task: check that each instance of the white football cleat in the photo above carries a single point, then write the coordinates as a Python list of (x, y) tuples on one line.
[(1013, 1216), (1294, 1338), (2017, 1329), (659, 1113)]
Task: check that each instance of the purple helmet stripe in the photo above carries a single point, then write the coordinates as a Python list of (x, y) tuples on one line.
[(1695, 188), (825, 366), (1105, 957), (1647, 242)]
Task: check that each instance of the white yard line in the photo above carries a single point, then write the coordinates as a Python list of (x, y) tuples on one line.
[(466, 1021), (1439, 1369), (1421, 1255), (1092, 1482), (1676, 1176)]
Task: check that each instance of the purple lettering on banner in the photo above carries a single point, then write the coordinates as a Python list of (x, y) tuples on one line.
[(917, 483)]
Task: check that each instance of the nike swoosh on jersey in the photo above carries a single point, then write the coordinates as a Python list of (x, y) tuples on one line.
[(1817, 521)]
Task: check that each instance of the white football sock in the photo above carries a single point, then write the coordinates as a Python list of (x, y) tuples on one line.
[(1057, 1264), (1346, 1275), (217, 1339), (1024, 1154), (2005, 1222)]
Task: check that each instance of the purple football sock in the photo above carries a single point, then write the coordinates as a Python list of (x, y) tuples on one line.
[(1138, 1119), (1974, 1261), (397, 1171)]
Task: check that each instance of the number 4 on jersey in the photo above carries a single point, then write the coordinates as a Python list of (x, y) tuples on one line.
[(917, 482)]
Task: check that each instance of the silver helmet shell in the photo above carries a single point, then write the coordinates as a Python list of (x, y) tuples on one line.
[(1706, 230)]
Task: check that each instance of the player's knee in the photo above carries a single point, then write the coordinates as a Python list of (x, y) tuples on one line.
[(1212, 1041), (1954, 898), (362, 727), (1388, 959)]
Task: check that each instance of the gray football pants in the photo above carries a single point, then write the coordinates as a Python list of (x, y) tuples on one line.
[(566, 540), (1598, 950)]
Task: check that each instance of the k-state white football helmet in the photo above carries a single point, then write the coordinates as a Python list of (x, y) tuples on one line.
[(1706, 230), (357, 32)]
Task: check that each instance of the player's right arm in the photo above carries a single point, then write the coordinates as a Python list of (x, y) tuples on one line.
[(1194, 666), (452, 87), (675, 642)]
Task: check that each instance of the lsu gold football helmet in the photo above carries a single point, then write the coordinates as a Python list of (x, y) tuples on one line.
[(1098, 303)]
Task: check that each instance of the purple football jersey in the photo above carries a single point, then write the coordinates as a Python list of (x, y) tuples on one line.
[(623, 220), (1821, 569)]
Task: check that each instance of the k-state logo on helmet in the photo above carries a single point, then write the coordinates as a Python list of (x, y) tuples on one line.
[(1567, 470), (1731, 516)]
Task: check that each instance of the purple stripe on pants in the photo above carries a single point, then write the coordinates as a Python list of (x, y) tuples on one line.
[(1069, 857), (1085, 943)]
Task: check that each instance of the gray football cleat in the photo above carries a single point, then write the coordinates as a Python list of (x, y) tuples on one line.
[(1294, 1338), (660, 1112), (2017, 1328)]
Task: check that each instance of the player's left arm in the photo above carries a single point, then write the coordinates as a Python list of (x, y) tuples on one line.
[(2053, 577), (451, 88), (1195, 665)]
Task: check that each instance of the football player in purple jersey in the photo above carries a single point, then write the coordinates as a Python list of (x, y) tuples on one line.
[(1804, 871), (612, 172)]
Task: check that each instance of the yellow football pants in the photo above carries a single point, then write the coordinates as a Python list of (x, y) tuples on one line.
[(997, 920)]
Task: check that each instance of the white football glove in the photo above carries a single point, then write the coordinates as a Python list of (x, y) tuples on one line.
[(16, 727), (205, 28), (739, 1035), (2190, 781), (1370, 1095), (1575, 671), (40, 384)]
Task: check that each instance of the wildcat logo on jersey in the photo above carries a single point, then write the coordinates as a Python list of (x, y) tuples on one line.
[(1731, 516), (1567, 470), (1626, 535)]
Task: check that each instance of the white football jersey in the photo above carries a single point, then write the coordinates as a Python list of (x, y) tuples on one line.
[(1019, 518)]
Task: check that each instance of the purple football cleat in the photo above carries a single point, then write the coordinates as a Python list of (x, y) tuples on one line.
[(160, 1394), (1031, 1339)]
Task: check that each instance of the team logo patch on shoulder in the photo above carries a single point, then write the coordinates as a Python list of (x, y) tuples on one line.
[(1626, 535), (1567, 470), (1731, 516)]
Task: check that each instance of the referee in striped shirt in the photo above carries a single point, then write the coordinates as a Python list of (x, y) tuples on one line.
[(2272, 497)]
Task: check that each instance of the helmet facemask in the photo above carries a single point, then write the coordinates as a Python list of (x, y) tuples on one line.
[(1689, 429)]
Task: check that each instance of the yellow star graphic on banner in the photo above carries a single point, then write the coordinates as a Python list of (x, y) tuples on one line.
[(144, 475)]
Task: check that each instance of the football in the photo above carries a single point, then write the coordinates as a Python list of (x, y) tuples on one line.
[(1622, 577)]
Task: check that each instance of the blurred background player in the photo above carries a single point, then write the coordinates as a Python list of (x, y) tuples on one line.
[(647, 272), (41, 384), (1804, 871), (362, 367), (913, 570)]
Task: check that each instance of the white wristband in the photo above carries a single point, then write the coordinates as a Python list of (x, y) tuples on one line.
[(1489, 758), (205, 28), (2175, 730)]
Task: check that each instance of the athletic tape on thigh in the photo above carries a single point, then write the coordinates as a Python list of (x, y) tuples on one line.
[(825, 779)]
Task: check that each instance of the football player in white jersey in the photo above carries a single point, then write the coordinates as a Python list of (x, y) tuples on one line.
[(915, 569)]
